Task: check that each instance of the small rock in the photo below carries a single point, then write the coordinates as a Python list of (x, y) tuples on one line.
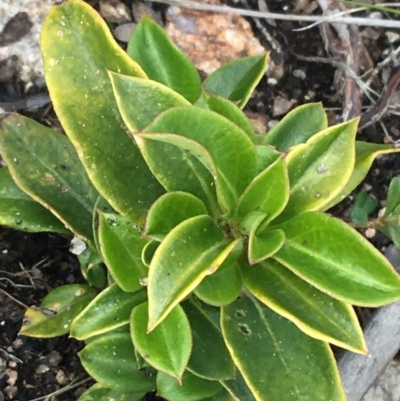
[(114, 11), (42, 368), (12, 376), (11, 391), (211, 39), (300, 74), (61, 378), (54, 358), (281, 106), (370, 232), (393, 255), (392, 36), (123, 32), (17, 343)]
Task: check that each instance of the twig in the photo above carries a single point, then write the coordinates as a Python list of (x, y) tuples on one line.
[(68, 387), (363, 86), (27, 274), (13, 284), (380, 108), (14, 299), (10, 356), (283, 17)]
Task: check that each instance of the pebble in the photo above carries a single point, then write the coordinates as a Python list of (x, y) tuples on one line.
[(123, 32), (211, 39), (42, 368), (11, 391), (281, 106)]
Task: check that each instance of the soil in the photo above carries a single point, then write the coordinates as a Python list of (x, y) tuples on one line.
[(33, 264)]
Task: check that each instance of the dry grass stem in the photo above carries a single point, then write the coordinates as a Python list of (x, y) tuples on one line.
[(337, 18)]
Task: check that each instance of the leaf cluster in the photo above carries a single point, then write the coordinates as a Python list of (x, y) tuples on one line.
[(219, 275)]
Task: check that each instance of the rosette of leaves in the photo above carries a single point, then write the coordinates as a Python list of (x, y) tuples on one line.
[(225, 278)]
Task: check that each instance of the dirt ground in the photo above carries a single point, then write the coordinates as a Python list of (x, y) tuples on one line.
[(33, 264)]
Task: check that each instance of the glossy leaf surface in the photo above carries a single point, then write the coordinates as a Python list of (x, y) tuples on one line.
[(320, 168), (237, 79), (193, 388), (167, 348), (222, 287), (78, 49), (110, 359), (333, 257), (21, 212), (121, 245), (267, 193), (45, 165), (188, 253), (312, 311), (140, 100), (170, 210), (366, 153), (227, 109), (109, 310), (184, 127), (238, 388), (393, 198), (99, 392), (304, 368), (264, 244), (210, 358), (57, 310), (162, 60), (297, 126)]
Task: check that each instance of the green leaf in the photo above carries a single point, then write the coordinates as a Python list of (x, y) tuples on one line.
[(148, 252), (167, 348), (227, 109), (238, 388), (393, 198), (121, 245), (21, 212), (44, 164), (140, 100), (320, 168), (170, 210), (365, 155), (359, 216), (333, 257), (210, 358), (392, 212), (264, 244), (366, 202), (57, 310), (92, 267), (193, 388), (222, 287), (298, 126), (192, 250), (363, 206), (162, 60), (78, 49), (110, 360), (312, 311), (267, 193), (184, 127), (237, 79), (109, 310), (222, 395), (266, 155), (99, 392), (294, 365)]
